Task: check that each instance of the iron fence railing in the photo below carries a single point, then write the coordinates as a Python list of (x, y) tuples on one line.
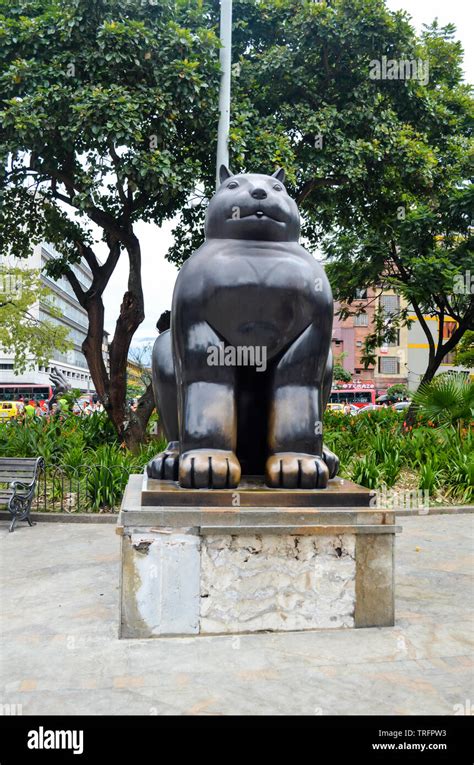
[(80, 488)]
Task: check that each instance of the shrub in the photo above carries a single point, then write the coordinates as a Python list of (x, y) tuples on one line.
[(428, 478), (391, 469), (367, 472), (447, 400)]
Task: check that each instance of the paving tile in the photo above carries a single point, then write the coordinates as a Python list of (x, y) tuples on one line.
[(61, 653)]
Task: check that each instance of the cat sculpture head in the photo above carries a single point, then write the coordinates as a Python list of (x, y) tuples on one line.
[(252, 206)]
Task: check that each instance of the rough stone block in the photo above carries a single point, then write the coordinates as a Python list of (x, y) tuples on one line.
[(275, 582)]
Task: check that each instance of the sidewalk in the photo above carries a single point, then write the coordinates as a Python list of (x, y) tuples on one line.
[(60, 653)]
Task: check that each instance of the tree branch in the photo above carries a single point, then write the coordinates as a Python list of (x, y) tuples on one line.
[(316, 183), (457, 334), (416, 307), (89, 256), (76, 286), (116, 161), (107, 269)]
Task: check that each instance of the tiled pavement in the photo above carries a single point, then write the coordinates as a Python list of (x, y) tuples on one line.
[(60, 653)]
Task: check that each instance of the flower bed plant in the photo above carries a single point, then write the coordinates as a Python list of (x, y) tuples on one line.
[(376, 449), (87, 469)]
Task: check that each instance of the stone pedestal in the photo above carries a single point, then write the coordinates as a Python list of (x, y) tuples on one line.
[(253, 559)]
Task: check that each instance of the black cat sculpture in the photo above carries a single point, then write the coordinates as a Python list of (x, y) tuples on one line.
[(242, 378)]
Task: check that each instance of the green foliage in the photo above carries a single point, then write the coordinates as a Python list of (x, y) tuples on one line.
[(134, 390), (117, 106), (31, 341), (53, 437), (447, 400), (428, 478), (367, 471), (80, 452), (391, 468), (465, 351), (341, 374), (107, 477), (459, 474), (376, 450), (399, 390)]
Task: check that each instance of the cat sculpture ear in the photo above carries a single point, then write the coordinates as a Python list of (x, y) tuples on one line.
[(224, 173), (279, 175)]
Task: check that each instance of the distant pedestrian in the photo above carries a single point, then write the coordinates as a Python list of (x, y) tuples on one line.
[(39, 411), (64, 405), (30, 410), (88, 408)]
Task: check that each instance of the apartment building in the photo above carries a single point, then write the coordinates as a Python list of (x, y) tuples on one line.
[(349, 338)]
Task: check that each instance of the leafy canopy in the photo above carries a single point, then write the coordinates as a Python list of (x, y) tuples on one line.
[(465, 351), (107, 113), (380, 168)]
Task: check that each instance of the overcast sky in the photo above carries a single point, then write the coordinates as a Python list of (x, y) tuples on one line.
[(159, 276)]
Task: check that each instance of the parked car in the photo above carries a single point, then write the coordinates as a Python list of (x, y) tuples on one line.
[(384, 399), (368, 408), (400, 405), (340, 408), (9, 409)]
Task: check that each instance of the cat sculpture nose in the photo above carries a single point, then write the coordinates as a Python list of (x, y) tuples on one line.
[(259, 194)]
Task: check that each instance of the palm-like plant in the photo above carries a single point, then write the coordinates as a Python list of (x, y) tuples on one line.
[(447, 400)]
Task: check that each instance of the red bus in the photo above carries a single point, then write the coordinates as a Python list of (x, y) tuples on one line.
[(357, 393), (25, 392)]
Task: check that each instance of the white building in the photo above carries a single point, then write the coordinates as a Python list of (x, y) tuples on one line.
[(71, 363)]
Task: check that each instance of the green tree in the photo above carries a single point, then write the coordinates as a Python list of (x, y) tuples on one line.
[(399, 390), (465, 351), (339, 373), (30, 340), (108, 116), (379, 167)]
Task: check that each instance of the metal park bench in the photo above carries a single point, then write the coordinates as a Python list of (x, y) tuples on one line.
[(18, 479)]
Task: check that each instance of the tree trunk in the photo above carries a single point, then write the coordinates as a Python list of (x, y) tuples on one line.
[(92, 347), (436, 355), (136, 430), (111, 386), (131, 429)]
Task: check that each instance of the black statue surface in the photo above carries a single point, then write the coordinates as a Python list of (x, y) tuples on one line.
[(242, 377)]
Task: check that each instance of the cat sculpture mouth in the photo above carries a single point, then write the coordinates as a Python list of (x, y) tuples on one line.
[(258, 215)]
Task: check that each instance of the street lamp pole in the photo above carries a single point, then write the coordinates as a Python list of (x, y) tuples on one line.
[(225, 58)]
